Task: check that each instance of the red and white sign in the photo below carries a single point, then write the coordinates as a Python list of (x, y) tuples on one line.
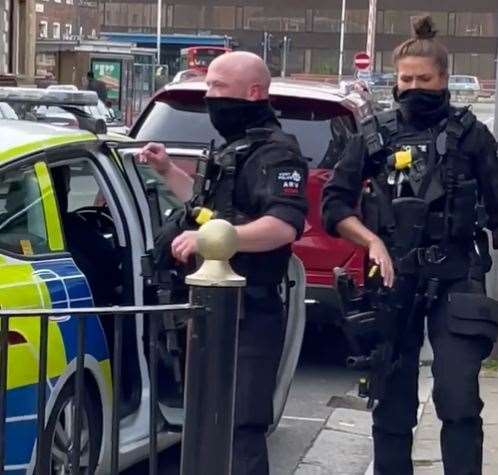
[(362, 60)]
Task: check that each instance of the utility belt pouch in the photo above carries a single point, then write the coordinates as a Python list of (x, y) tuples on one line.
[(410, 216), (464, 214), (473, 315), (377, 213)]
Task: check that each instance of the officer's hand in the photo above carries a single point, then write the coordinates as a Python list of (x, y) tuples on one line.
[(155, 155), (378, 253), (184, 245)]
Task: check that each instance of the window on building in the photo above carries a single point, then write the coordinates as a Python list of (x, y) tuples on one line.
[(148, 16), (327, 21), (380, 22), (348, 67), (58, 1), (309, 19), (43, 29), (45, 64), (70, 2), (273, 19), (356, 21), (56, 31), (295, 61), (387, 62), (68, 31), (474, 64), (219, 17), (324, 61), (186, 16), (476, 24), (398, 22)]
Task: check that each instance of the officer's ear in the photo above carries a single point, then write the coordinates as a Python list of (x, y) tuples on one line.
[(255, 92)]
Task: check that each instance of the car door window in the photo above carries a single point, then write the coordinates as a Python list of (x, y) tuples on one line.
[(29, 223), (168, 202), (89, 228)]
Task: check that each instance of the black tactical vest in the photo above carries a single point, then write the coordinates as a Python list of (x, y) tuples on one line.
[(231, 203), (424, 194)]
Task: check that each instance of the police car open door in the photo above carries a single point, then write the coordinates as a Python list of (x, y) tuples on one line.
[(157, 203), (160, 212)]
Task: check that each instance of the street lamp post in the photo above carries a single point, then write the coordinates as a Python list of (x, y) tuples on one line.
[(341, 44), (159, 15), (371, 30)]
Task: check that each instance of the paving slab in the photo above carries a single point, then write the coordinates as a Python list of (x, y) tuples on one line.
[(351, 421), (337, 453)]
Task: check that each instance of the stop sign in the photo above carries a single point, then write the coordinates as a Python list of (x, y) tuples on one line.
[(361, 60)]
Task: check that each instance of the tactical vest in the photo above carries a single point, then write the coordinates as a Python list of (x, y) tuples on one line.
[(424, 198), (262, 268)]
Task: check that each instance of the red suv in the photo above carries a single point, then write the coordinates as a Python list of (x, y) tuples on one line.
[(322, 117)]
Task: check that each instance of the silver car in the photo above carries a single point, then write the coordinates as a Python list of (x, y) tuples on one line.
[(465, 88)]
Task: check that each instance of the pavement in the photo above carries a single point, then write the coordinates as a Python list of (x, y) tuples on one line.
[(344, 445)]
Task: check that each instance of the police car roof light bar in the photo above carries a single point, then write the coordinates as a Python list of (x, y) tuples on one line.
[(48, 97)]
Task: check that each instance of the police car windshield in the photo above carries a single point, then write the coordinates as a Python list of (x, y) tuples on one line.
[(321, 127)]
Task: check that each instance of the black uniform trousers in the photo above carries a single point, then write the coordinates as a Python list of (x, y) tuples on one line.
[(261, 338), (456, 366)]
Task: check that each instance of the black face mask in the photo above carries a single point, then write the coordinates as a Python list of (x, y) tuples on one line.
[(232, 117), (423, 107)]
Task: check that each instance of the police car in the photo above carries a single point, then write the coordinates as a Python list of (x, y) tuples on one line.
[(75, 225)]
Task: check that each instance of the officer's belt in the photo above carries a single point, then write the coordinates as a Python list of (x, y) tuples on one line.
[(473, 315)]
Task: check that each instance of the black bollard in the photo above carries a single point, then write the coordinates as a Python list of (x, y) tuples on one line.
[(210, 382), (211, 365)]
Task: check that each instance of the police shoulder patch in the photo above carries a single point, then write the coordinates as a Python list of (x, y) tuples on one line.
[(289, 181)]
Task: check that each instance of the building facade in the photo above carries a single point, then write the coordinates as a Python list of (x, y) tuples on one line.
[(58, 24), (469, 29), (17, 39)]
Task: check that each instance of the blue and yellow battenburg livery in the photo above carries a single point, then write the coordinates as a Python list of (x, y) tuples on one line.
[(43, 283)]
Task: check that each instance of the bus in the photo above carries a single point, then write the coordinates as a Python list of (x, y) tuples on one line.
[(199, 57)]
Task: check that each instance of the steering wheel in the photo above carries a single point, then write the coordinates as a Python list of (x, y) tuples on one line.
[(99, 218)]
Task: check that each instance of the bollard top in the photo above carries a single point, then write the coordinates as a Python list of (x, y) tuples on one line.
[(218, 242)]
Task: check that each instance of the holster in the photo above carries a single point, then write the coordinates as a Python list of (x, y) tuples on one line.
[(473, 315)]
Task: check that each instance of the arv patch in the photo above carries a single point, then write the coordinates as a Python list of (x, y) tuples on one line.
[(290, 182)]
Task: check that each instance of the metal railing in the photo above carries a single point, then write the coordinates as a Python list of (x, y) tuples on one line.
[(210, 364)]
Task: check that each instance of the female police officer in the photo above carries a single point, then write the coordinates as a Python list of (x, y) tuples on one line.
[(417, 193)]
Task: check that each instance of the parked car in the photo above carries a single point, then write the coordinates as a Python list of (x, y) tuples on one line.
[(75, 226), (376, 79), (322, 117), (464, 88)]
